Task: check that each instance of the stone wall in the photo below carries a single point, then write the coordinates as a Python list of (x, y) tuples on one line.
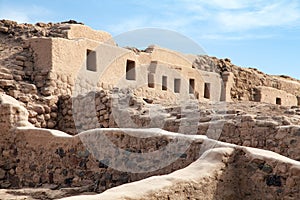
[(22, 80), (247, 79), (69, 30), (121, 108), (259, 132), (274, 96), (12, 114), (40, 157), (221, 173), (90, 111), (65, 161), (22, 31)]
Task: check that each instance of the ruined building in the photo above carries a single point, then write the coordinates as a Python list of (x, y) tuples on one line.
[(83, 52), (69, 93)]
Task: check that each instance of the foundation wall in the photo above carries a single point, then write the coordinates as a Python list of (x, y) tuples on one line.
[(41, 156)]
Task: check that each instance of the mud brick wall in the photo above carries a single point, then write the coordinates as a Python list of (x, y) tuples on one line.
[(39, 157)]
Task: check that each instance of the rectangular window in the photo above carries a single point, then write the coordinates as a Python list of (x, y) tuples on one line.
[(207, 90), (130, 70), (278, 101), (177, 85), (91, 60), (164, 84), (192, 86), (151, 80)]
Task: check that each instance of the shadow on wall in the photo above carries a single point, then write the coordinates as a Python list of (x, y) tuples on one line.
[(257, 178)]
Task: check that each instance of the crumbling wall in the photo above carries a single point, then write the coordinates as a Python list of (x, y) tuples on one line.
[(51, 157), (22, 31), (256, 174), (31, 157), (121, 108), (94, 114), (274, 96), (221, 173), (289, 84), (246, 80), (168, 56), (76, 31), (262, 133)]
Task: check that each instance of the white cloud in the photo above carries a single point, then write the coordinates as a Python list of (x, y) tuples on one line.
[(273, 15), (233, 37), (244, 15), (25, 14), (217, 19), (147, 22), (219, 4), (127, 25), (15, 16)]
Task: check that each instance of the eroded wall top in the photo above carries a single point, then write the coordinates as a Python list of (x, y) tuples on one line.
[(75, 31)]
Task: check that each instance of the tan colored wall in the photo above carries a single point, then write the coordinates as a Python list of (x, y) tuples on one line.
[(52, 157), (42, 48), (269, 95), (228, 82), (77, 31), (169, 56), (290, 86), (12, 114), (69, 55), (221, 173), (247, 79), (68, 61)]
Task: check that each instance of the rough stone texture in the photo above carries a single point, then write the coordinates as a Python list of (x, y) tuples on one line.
[(221, 173), (12, 113), (56, 158), (270, 95)]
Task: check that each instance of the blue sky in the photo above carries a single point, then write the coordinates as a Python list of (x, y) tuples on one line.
[(252, 33)]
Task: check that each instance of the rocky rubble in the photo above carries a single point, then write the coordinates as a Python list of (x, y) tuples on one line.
[(40, 29)]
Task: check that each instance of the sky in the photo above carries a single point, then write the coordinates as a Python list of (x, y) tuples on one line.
[(252, 33)]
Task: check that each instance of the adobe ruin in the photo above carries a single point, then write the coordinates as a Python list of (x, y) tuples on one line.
[(64, 86)]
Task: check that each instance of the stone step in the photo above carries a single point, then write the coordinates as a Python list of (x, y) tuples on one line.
[(6, 76), (7, 83), (4, 70), (17, 71), (28, 88)]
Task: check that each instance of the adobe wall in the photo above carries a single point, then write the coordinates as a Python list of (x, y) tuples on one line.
[(289, 85), (276, 134), (244, 80), (64, 160), (253, 131), (77, 31), (41, 156), (158, 69), (11, 114), (65, 64), (247, 79), (168, 56), (269, 95), (221, 173), (182, 67)]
